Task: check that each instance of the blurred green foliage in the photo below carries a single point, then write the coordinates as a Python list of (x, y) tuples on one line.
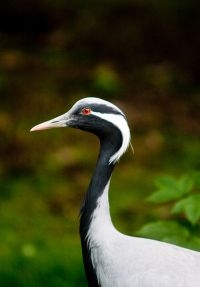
[(144, 56), (184, 193)]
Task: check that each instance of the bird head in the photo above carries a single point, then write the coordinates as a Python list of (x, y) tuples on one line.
[(97, 116)]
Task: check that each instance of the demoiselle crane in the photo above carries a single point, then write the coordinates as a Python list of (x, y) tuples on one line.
[(112, 259)]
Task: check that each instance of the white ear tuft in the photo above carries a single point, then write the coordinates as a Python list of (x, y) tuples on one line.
[(120, 122)]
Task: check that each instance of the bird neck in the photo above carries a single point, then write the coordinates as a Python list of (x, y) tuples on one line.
[(98, 186), (95, 215)]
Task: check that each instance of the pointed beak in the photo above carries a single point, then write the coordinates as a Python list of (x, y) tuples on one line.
[(57, 122)]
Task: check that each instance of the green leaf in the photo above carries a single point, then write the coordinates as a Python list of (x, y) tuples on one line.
[(165, 192), (165, 181), (168, 231), (190, 206), (171, 189), (194, 243), (185, 184)]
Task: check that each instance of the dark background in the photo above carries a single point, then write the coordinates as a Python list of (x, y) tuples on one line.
[(142, 55)]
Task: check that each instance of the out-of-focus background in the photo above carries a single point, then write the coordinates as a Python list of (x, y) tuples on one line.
[(142, 55)]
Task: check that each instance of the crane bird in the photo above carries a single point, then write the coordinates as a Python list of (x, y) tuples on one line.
[(112, 259)]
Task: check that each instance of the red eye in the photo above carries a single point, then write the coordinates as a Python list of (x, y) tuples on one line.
[(86, 111)]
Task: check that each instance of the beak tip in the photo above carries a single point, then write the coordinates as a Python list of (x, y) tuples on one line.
[(33, 129), (38, 127)]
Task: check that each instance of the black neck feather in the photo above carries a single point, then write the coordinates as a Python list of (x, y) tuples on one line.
[(102, 173)]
